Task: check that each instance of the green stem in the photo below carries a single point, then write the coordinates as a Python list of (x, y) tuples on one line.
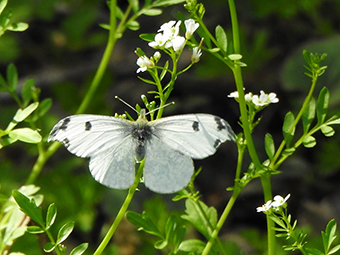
[(121, 212), (273, 163), (221, 221), (105, 60), (265, 180)]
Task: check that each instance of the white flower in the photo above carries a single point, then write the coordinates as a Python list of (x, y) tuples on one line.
[(264, 99), (272, 98), (279, 201), (190, 27), (248, 97), (159, 41), (196, 54), (167, 26), (233, 94), (156, 56), (144, 63), (265, 207), (178, 43)]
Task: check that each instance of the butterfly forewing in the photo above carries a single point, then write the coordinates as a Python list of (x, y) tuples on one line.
[(84, 135), (196, 135), (166, 170)]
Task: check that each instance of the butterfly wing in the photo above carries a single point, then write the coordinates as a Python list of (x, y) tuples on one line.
[(115, 167), (166, 170), (105, 140), (196, 135)]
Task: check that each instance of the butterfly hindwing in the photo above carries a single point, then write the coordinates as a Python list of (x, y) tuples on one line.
[(166, 170), (115, 167), (196, 135)]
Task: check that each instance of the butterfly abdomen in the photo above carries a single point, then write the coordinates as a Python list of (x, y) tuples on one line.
[(141, 133)]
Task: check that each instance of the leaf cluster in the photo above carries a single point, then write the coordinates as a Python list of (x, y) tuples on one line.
[(44, 224), (28, 113)]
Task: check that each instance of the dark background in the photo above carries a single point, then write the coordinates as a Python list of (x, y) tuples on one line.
[(63, 47)]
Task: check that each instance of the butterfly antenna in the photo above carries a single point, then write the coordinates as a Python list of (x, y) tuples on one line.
[(117, 97), (163, 106)]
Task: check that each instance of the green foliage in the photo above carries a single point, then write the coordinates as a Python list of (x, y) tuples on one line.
[(29, 207), (170, 232)]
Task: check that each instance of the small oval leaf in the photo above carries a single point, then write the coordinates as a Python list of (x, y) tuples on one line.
[(65, 231), (309, 142)]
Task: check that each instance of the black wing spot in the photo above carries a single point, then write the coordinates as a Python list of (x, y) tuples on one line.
[(217, 143), (220, 124), (64, 125), (195, 126), (88, 126)]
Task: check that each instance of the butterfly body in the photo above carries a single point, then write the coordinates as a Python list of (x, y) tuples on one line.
[(167, 145)]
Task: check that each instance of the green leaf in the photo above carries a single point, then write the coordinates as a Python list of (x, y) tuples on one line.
[(80, 249), (309, 141), (192, 245), (133, 25), (197, 213), (288, 152), (29, 207), (3, 4), (329, 235), (26, 135), (335, 121), (308, 115), (322, 105), (18, 27), (221, 38), (12, 77), (22, 114), (143, 222), (153, 12), (165, 3), (334, 249), (327, 131), (64, 232), (147, 37), (135, 5), (51, 215), (26, 91), (170, 227), (269, 145), (160, 245), (164, 71), (49, 247), (313, 251), (288, 128), (35, 230), (43, 108)]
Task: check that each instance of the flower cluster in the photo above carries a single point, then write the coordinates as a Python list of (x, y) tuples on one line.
[(275, 204), (168, 38), (257, 100)]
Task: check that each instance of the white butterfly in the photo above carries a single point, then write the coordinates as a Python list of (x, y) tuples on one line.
[(167, 144)]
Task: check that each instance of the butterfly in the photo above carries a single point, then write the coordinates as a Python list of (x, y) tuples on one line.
[(167, 144)]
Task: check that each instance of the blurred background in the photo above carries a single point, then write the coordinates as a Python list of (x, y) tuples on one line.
[(62, 49)]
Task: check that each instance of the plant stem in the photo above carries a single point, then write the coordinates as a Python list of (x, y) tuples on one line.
[(265, 179), (121, 212), (221, 221), (105, 60)]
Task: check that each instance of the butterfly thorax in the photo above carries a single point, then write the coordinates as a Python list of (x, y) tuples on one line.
[(141, 132)]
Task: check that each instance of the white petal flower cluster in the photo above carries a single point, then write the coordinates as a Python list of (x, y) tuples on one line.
[(258, 100), (168, 38), (168, 35), (275, 204)]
